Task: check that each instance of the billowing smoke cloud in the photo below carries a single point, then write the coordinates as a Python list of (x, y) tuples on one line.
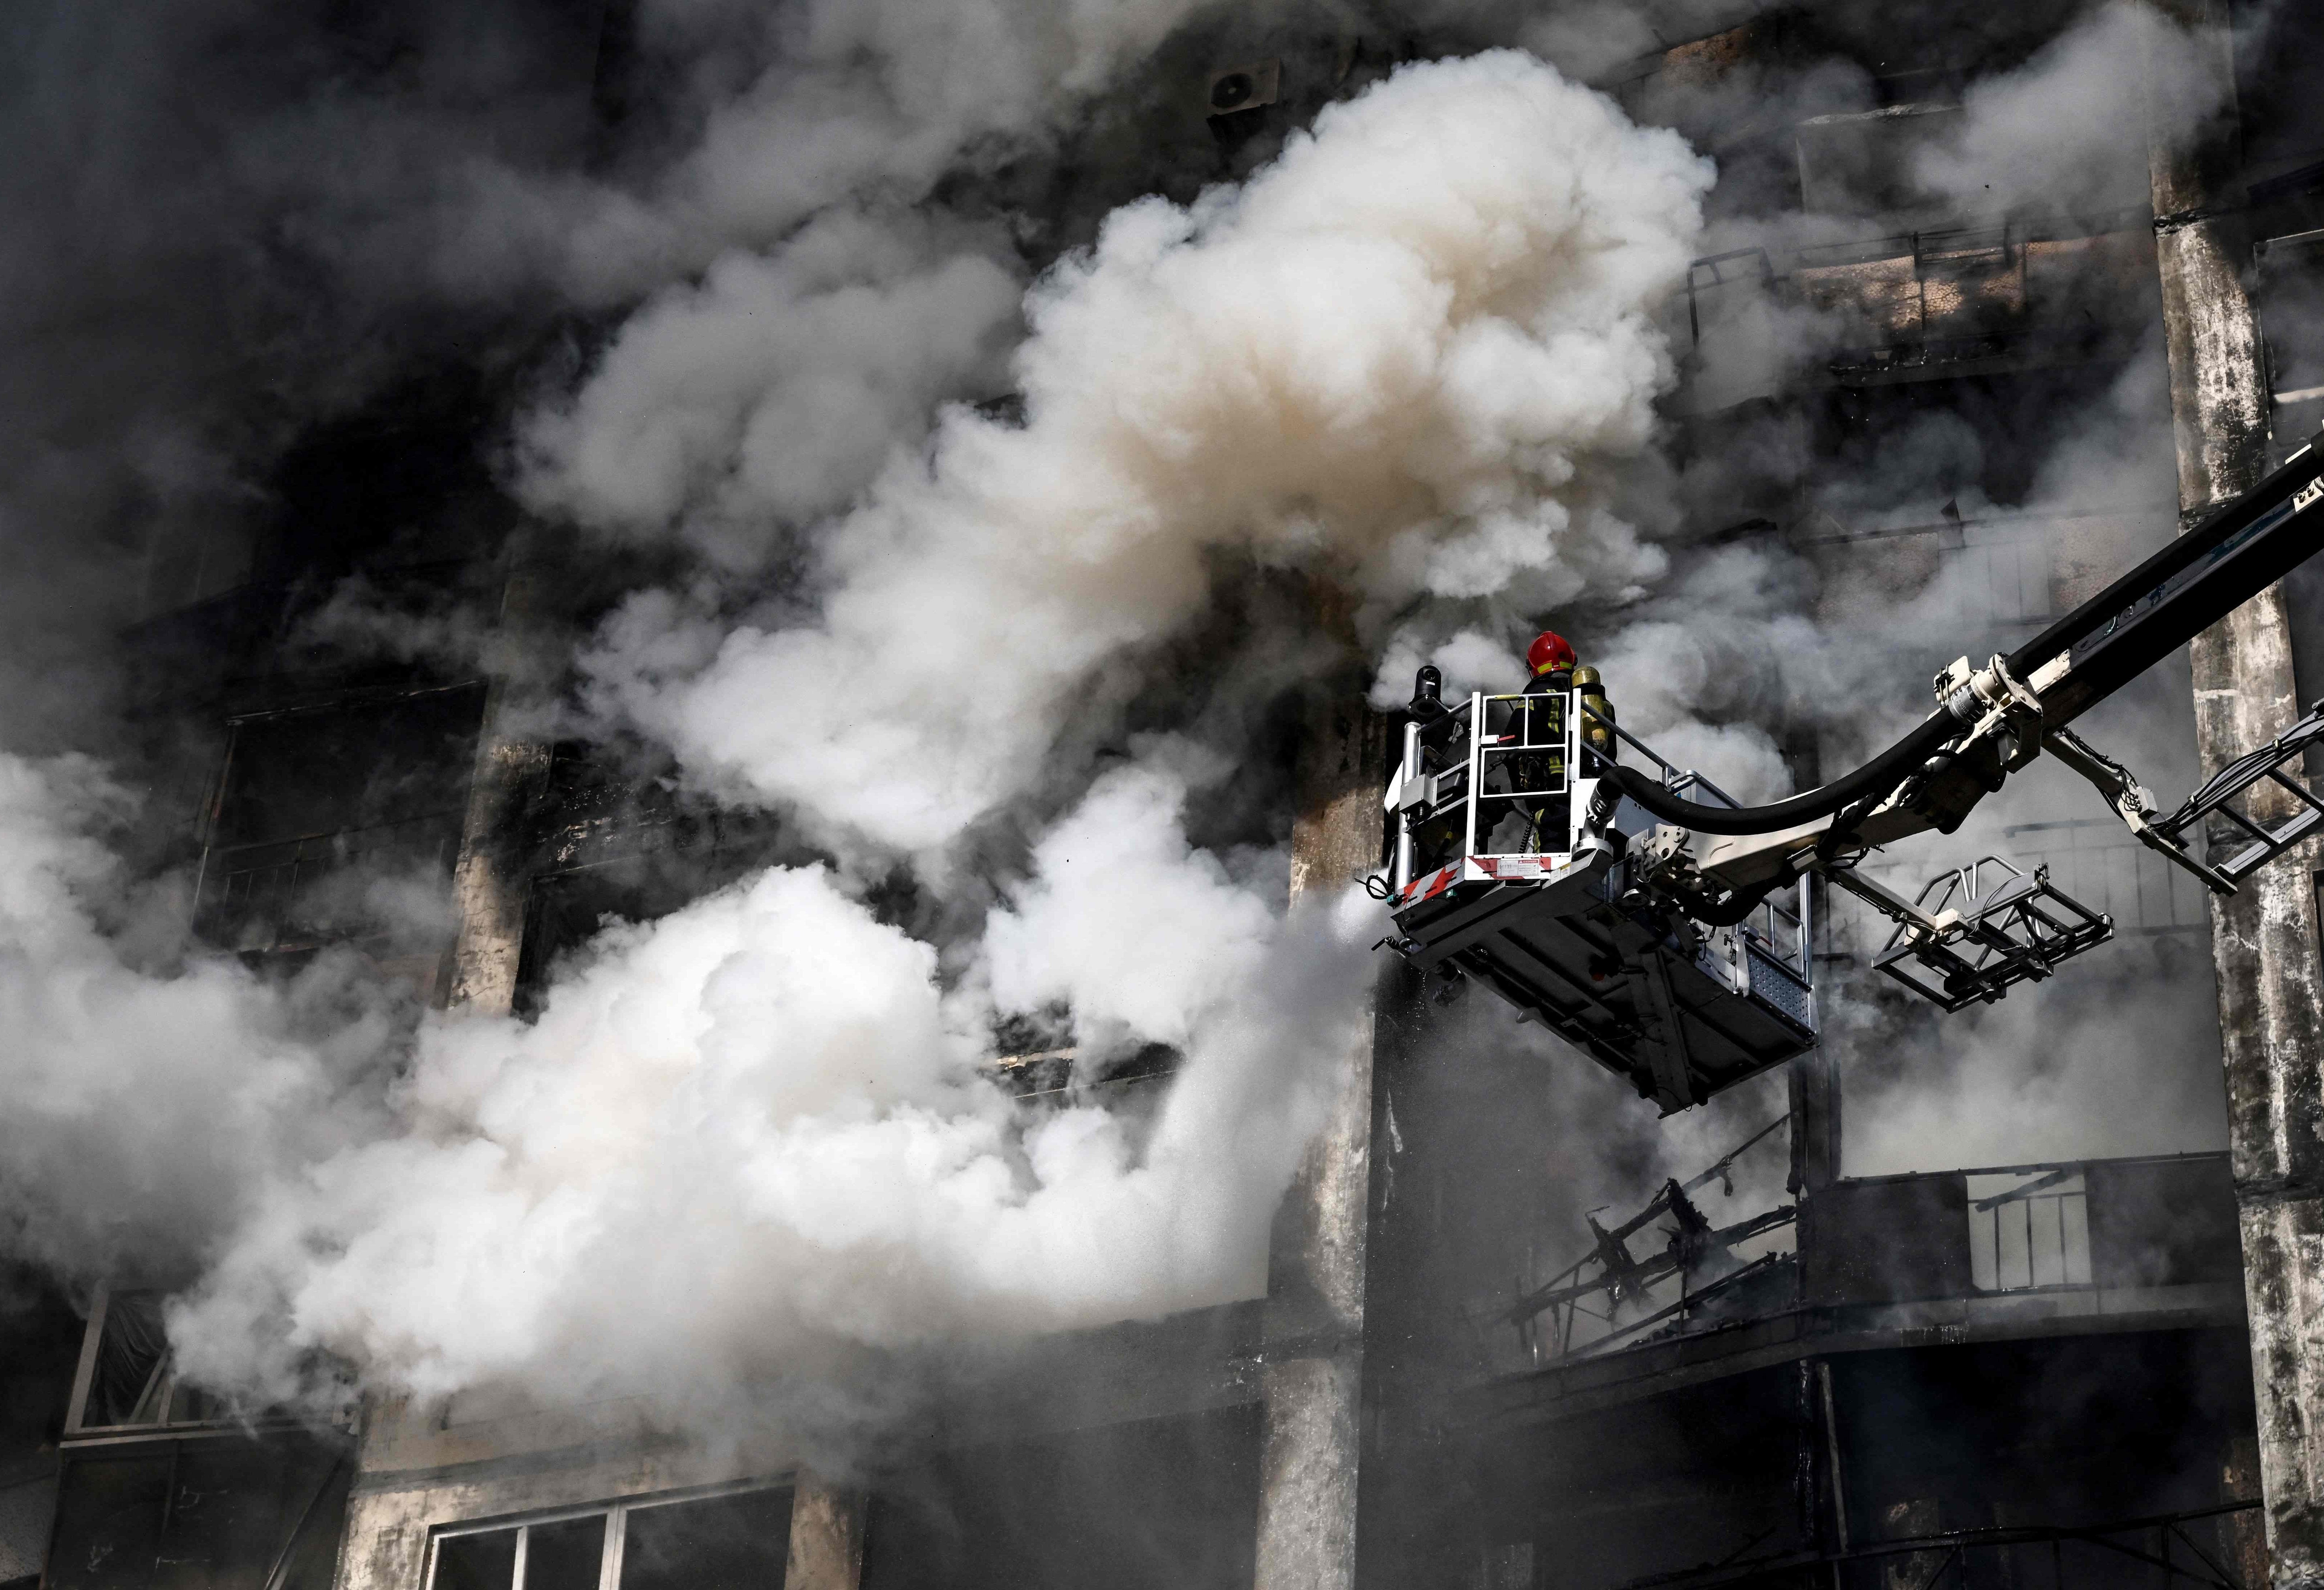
[(761, 1113), (1406, 354), (771, 394), (2068, 129), (147, 1089), (1412, 355)]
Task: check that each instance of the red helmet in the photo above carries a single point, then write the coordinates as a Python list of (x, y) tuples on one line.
[(1549, 650)]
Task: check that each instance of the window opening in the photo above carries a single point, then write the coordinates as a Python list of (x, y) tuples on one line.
[(713, 1543), (312, 802), (733, 1537), (568, 1556), (485, 1561), (2028, 1228)]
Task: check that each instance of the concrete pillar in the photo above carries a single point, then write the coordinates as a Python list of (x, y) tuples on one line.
[(1311, 1379), (489, 888), (2264, 937), (827, 1549), (489, 883)]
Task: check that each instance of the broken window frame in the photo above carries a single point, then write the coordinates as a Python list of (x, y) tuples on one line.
[(161, 1391), (616, 1514)]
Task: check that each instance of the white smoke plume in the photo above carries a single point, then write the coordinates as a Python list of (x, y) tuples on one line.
[(763, 1115), (2068, 130), (770, 394), (147, 1090), (1413, 356), (1407, 355)]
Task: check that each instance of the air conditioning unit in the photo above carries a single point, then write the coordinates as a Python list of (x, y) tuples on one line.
[(1244, 88)]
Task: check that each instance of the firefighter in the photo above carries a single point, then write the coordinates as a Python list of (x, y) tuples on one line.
[(1535, 720), (1539, 719)]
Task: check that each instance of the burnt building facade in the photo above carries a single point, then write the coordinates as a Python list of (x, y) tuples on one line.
[(2078, 1369)]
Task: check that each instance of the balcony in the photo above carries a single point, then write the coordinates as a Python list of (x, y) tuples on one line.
[(1991, 1254)]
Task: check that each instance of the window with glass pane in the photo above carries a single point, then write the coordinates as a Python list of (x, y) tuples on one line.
[(484, 1561), (733, 1543), (739, 1540), (566, 1556)]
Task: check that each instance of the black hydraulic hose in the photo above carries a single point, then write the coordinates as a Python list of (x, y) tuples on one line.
[(1882, 774)]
